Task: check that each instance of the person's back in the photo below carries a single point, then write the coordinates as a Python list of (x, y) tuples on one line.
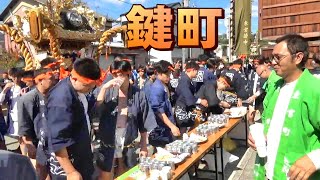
[(183, 99), (15, 166), (69, 123), (209, 92), (204, 74), (238, 82)]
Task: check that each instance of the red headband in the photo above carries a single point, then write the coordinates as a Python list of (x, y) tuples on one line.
[(42, 76), (82, 79), (27, 79), (126, 59), (202, 62), (102, 77), (115, 71), (243, 56), (170, 68), (236, 66), (51, 65), (63, 73), (189, 69), (224, 81)]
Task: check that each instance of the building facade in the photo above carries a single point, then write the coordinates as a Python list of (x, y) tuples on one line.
[(277, 18)]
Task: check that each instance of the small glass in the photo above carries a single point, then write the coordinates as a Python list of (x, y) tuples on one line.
[(148, 159), (146, 170), (171, 164), (142, 159), (194, 148)]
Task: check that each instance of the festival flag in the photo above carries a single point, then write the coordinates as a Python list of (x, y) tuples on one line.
[(242, 27)]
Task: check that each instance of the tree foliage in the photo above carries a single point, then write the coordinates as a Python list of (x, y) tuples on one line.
[(7, 60)]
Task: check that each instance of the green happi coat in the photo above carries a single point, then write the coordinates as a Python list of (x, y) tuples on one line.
[(271, 80), (301, 129)]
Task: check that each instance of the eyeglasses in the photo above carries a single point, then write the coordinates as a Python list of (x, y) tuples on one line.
[(277, 59), (261, 72)]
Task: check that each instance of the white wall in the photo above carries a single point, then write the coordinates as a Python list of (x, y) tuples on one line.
[(160, 55)]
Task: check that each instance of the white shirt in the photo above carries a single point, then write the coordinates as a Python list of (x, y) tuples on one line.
[(16, 94), (276, 125), (84, 102), (255, 83)]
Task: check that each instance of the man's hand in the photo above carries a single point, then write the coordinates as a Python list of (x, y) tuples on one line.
[(175, 131), (204, 102), (251, 99), (239, 103), (303, 168), (75, 175), (32, 150), (251, 142), (251, 114), (143, 151), (112, 83), (224, 104)]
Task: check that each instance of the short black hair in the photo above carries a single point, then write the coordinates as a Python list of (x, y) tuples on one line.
[(28, 74), (203, 57), (40, 71), (227, 78), (237, 61), (212, 62), (177, 61), (162, 67), (192, 65), (122, 65), (296, 43), (120, 56), (150, 71), (15, 72), (261, 60), (47, 61), (88, 68), (316, 58), (141, 67)]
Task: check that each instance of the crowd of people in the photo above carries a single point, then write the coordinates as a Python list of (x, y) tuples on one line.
[(51, 116)]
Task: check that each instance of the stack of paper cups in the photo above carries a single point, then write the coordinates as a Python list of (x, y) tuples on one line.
[(257, 134)]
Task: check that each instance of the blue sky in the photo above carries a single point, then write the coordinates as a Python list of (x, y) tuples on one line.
[(113, 8)]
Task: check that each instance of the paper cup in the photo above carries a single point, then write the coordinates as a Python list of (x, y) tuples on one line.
[(256, 131)]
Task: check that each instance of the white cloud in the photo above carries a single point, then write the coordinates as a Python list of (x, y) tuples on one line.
[(255, 10), (220, 21), (116, 2), (226, 12), (137, 1)]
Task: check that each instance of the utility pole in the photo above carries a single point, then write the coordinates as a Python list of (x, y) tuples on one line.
[(185, 3), (231, 30)]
